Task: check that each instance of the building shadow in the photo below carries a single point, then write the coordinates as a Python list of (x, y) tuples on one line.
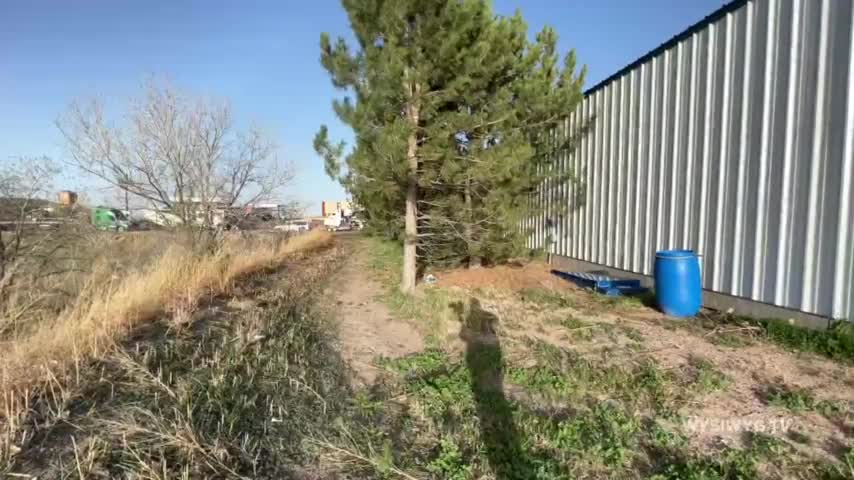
[(485, 363)]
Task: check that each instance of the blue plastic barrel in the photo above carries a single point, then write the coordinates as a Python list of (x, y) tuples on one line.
[(678, 288)]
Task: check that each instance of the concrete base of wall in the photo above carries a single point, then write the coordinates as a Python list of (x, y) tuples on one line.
[(713, 300)]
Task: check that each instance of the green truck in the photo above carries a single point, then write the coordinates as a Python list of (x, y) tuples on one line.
[(112, 219)]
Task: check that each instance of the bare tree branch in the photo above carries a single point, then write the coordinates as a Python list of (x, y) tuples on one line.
[(176, 152)]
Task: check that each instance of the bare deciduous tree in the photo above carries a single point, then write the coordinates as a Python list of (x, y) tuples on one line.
[(178, 152), (23, 183), (30, 231)]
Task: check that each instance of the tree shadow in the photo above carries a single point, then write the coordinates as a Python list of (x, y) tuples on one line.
[(485, 363)]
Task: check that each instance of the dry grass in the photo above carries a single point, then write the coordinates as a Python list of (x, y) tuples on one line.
[(108, 307), (59, 264)]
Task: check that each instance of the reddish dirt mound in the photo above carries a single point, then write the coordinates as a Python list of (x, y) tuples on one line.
[(505, 277)]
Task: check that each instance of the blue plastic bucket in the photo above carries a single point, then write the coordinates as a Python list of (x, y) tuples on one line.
[(678, 287)]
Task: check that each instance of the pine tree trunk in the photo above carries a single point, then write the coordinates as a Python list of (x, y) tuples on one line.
[(407, 283), (468, 229), (410, 240)]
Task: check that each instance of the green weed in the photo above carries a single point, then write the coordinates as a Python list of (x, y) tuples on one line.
[(604, 434), (766, 445), (836, 342), (572, 323), (794, 399), (707, 377), (421, 363), (665, 439), (801, 400), (631, 333), (731, 463), (450, 463), (564, 373), (547, 298)]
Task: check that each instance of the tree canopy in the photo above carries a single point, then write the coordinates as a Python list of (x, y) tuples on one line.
[(452, 108)]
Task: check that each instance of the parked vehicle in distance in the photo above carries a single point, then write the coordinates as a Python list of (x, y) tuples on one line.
[(112, 219), (333, 222), (299, 226)]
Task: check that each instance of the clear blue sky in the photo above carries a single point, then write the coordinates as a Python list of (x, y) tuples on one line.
[(260, 54)]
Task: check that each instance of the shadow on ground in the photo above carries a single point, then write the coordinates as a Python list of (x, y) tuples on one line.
[(495, 413)]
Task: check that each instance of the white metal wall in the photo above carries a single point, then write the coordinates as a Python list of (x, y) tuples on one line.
[(736, 139)]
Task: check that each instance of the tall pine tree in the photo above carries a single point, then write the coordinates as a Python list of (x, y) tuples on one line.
[(450, 105)]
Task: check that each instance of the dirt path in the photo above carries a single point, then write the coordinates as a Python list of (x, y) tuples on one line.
[(367, 330)]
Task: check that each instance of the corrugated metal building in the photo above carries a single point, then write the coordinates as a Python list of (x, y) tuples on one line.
[(735, 139)]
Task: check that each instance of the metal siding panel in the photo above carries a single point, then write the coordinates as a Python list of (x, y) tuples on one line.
[(741, 176), (629, 245), (769, 84), (593, 220), (563, 190), (675, 159), (733, 153), (754, 145), (585, 165), (654, 118), (723, 158), (817, 163), (600, 178), (593, 151), (806, 125), (568, 189), (678, 190), (843, 274), (707, 148), (698, 124), (661, 216), (643, 142), (691, 120), (833, 125), (737, 141), (783, 254), (619, 160), (575, 157), (778, 145), (621, 212), (571, 234), (607, 253), (581, 196), (628, 167), (578, 206), (571, 191), (602, 209)]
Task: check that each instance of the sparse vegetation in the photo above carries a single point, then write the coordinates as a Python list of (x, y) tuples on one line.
[(599, 405), (836, 342), (547, 298), (799, 400), (431, 308), (707, 377)]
